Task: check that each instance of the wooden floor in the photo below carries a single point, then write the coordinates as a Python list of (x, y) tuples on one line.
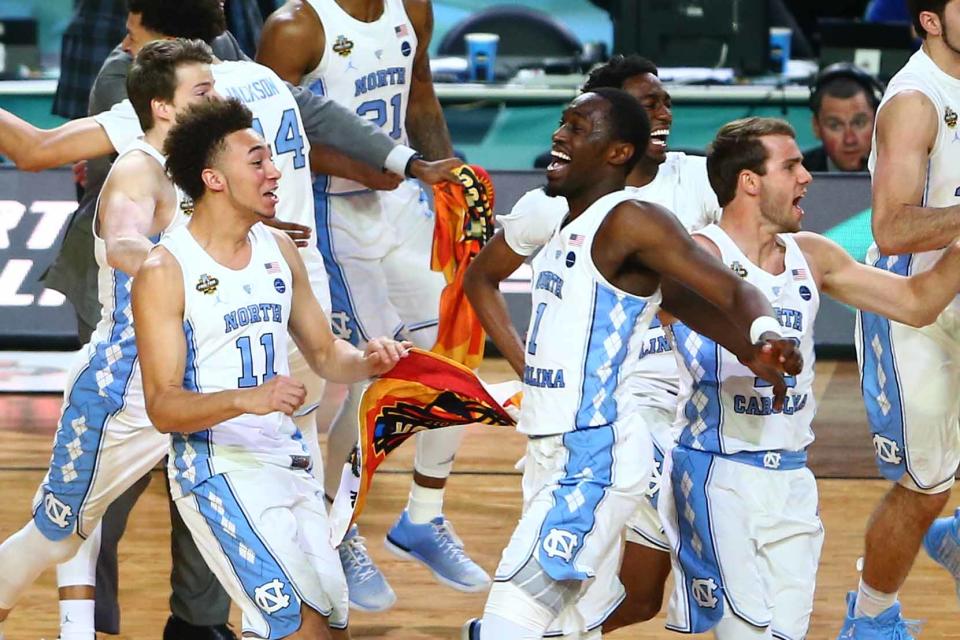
[(483, 501)]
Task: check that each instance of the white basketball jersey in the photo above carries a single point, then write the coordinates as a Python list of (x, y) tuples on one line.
[(584, 334), (367, 67), (723, 407), (235, 325), (113, 339), (920, 73)]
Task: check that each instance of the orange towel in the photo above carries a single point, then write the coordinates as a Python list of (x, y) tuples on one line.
[(464, 223)]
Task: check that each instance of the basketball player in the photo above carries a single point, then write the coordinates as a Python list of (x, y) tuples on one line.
[(213, 305), (678, 182), (910, 376), (104, 442), (738, 503), (597, 279), (371, 56)]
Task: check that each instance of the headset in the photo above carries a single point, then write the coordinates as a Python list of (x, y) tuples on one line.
[(873, 87)]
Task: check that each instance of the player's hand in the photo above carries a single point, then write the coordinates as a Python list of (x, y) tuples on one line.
[(381, 354), (279, 393), (772, 358), (380, 180), (297, 232), (436, 171)]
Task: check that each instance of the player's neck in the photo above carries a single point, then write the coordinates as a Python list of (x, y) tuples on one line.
[(944, 56), (222, 230), (644, 173), (363, 10), (156, 136), (581, 202), (754, 235)]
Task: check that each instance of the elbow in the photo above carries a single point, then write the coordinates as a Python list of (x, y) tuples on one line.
[(922, 318), (889, 242), (472, 284), (159, 418), (28, 162)]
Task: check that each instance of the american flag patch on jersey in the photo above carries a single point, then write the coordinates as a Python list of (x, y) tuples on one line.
[(576, 240), (799, 274), (401, 30), (272, 267)]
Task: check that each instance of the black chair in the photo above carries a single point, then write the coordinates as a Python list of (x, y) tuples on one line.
[(528, 38)]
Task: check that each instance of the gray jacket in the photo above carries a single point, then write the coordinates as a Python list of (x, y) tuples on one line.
[(74, 272)]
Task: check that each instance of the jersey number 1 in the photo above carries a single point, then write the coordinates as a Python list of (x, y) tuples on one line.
[(249, 379)]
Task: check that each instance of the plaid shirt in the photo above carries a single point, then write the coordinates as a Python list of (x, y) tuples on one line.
[(96, 28)]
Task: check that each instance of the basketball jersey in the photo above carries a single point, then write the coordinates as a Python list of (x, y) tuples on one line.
[(922, 74), (235, 326), (366, 67), (723, 407), (584, 335), (113, 344)]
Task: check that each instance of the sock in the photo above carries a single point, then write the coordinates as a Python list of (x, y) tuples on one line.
[(76, 620), (871, 603), (424, 504)]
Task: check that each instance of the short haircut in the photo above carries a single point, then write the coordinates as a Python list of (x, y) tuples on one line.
[(842, 87), (738, 147), (153, 74), (194, 19), (916, 6), (198, 138), (618, 70), (629, 122)]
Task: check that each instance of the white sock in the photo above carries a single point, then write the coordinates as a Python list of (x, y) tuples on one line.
[(76, 620), (424, 504), (871, 603)]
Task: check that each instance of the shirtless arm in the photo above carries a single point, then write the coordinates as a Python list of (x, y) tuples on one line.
[(425, 123), (916, 300), (34, 149), (906, 132)]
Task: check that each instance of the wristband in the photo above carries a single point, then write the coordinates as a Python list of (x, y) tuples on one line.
[(762, 325), (414, 157)]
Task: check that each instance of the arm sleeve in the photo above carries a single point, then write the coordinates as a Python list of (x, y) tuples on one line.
[(120, 124), (531, 222)]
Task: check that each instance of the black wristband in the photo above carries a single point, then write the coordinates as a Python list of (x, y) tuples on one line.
[(416, 156)]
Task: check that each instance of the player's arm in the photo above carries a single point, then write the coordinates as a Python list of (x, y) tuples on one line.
[(128, 203), (916, 300), (330, 357), (494, 264), (906, 132), (425, 123), (161, 347), (292, 41), (35, 149)]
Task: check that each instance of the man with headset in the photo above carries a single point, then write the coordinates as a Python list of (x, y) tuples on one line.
[(844, 100)]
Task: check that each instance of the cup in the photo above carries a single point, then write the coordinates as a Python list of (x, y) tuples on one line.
[(481, 55), (780, 48)]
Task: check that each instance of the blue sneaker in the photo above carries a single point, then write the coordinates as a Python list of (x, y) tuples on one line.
[(889, 625), (942, 542), (369, 590), (470, 629), (438, 547)]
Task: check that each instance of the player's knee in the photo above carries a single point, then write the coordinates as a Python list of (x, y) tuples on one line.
[(53, 551), (641, 609), (531, 597), (926, 501)]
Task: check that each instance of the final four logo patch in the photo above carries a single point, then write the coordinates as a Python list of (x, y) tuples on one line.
[(342, 46), (738, 269), (207, 284), (950, 117)]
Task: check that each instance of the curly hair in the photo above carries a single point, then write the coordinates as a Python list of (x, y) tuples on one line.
[(617, 70), (198, 138), (739, 147), (194, 19), (153, 74)]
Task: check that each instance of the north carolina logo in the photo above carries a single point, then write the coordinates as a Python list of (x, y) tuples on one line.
[(57, 511), (950, 117), (703, 592), (771, 460), (738, 269), (207, 284), (887, 450), (560, 544), (342, 46), (270, 597)]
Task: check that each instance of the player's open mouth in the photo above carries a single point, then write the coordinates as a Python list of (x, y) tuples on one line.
[(796, 205), (659, 137), (272, 196), (558, 162)]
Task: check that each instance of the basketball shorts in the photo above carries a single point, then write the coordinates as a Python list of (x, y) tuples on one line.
[(909, 378), (644, 526), (579, 488), (101, 447), (745, 540), (264, 533), (377, 247)]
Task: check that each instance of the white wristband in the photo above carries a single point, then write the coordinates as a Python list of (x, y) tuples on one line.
[(762, 325)]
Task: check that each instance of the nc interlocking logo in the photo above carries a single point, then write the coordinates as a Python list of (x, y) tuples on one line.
[(771, 460), (560, 544), (270, 597), (887, 450), (57, 511), (703, 590), (340, 325)]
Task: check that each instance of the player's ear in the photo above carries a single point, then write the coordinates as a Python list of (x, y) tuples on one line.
[(930, 22), (213, 179), (162, 110), (620, 153), (748, 182)]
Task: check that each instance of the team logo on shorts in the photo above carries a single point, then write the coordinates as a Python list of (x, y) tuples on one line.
[(279, 285), (738, 269), (270, 597), (559, 543), (771, 460), (887, 450), (342, 46), (207, 284), (340, 325), (703, 592), (57, 511), (950, 117)]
